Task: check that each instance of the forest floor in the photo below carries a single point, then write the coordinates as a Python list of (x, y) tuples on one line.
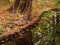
[(39, 6)]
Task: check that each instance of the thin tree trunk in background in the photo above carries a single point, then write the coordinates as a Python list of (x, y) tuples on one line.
[(55, 21)]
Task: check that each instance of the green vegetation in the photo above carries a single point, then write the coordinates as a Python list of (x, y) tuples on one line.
[(8, 19), (45, 32)]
